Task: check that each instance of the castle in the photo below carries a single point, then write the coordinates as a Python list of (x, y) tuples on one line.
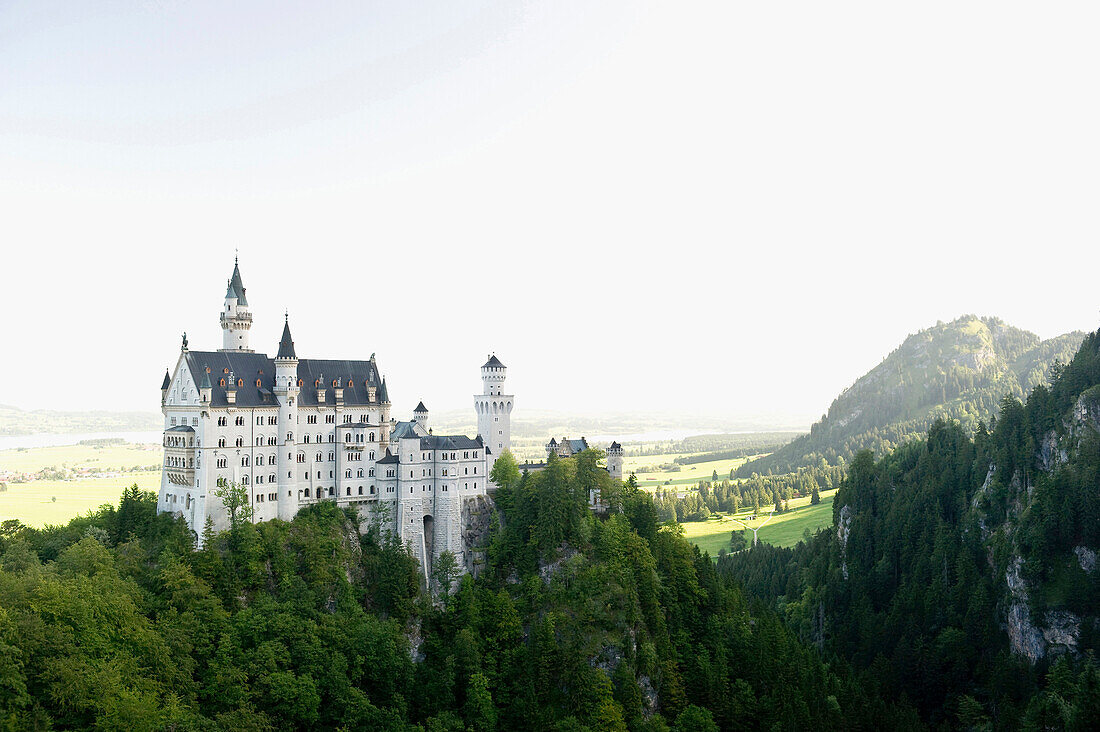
[(292, 432)]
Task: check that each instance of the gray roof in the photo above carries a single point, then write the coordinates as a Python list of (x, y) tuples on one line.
[(205, 383), (450, 442), (247, 367), (236, 287), (406, 430), (493, 362), (615, 446), (181, 428), (167, 380), (390, 458), (577, 445), (383, 393), (420, 408), (286, 343)]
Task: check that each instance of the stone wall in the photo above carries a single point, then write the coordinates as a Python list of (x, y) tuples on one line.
[(477, 520)]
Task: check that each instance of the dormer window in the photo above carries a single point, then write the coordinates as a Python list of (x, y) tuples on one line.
[(222, 382)]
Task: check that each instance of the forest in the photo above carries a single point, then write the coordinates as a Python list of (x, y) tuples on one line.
[(577, 622), (951, 557)]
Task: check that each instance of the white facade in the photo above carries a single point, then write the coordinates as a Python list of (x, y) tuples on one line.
[(494, 408), (293, 432)]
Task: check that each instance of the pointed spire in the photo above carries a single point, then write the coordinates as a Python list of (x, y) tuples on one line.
[(205, 383), (420, 408), (236, 286), (384, 393), (167, 380), (286, 345)]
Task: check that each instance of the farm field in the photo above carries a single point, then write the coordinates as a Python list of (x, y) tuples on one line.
[(687, 475), (31, 502), (31, 460), (784, 529)]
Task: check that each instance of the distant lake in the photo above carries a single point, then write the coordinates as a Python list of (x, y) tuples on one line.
[(11, 442)]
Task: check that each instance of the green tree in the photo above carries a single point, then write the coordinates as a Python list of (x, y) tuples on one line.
[(505, 472)]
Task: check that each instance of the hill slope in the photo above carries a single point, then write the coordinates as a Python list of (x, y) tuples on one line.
[(958, 370), (962, 569)]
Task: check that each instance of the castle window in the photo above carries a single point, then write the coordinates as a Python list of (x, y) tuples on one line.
[(332, 456), (173, 421), (360, 490), (290, 437), (371, 437), (259, 441), (259, 479), (348, 490), (225, 371), (259, 459), (271, 478), (240, 382), (318, 458), (306, 439), (347, 473), (257, 382), (240, 442), (271, 440), (223, 463), (300, 382), (244, 480), (330, 419), (244, 461), (239, 421), (221, 442), (301, 457), (306, 492), (221, 382), (331, 491)]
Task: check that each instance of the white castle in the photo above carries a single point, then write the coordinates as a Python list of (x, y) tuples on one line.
[(292, 432)]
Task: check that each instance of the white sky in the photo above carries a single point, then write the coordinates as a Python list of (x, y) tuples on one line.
[(724, 208)]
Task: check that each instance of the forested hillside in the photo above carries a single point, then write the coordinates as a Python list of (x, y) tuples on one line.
[(576, 623), (961, 573), (954, 371)]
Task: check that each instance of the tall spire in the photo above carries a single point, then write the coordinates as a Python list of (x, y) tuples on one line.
[(286, 345), (236, 286)]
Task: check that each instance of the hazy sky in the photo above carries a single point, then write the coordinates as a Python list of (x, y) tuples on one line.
[(724, 208)]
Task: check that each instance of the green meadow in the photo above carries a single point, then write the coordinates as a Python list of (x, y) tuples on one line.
[(686, 475), (31, 460), (33, 503), (783, 529)]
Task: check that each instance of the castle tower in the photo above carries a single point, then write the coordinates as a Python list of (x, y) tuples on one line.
[(615, 461), (286, 392), (236, 318), (494, 408), (420, 416)]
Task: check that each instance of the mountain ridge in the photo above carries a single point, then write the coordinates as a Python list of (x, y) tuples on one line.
[(956, 371)]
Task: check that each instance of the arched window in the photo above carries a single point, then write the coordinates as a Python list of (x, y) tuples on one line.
[(222, 383), (347, 473)]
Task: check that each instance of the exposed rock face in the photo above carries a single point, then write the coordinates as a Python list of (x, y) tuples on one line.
[(1086, 558), (650, 700), (477, 521), (1051, 453), (1024, 638), (1062, 631), (843, 526)]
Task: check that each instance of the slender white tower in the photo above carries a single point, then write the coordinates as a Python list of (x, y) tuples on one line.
[(494, 408), (286, 392), (236, 318)]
